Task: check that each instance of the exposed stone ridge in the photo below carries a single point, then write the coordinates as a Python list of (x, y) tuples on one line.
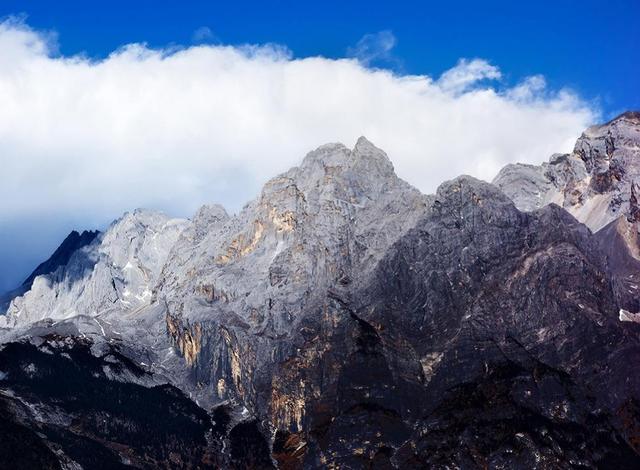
[(633, 214), (73, 242), (632, 117), (302, 226), (593, 182), (237, 290), (60, 257), (116, 270)]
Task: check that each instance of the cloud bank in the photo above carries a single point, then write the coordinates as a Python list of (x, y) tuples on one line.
[(176, 128)]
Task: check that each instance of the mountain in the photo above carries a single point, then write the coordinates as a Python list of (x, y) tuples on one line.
[(345, 320), (598, 184), (593, 183), (60, 257), (113, 270)]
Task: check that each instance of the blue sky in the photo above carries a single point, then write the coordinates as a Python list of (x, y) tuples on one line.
[(92, 126), (593, 46)]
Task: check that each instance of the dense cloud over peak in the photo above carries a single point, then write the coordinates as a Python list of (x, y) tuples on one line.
[(175, 128)]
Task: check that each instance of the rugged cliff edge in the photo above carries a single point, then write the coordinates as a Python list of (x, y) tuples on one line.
[(344, 320), (593, 182)]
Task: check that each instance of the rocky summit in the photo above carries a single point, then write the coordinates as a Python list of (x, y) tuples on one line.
[(343, 319)]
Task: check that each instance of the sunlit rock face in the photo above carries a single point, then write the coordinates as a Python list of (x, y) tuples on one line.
[(345, 320), (593, 182), (116, 270), (242, 288)]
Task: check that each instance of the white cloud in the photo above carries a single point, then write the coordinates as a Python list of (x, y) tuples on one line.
[(373, 47), (529, 88), (466, 74), (174, 129)]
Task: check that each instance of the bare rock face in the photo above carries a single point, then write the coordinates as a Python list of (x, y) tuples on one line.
[(619, 242), (60, 257), (115, 270), (505, 309), (63, 253), (344, 320), (593, 182), (473, 345), (235, 295)]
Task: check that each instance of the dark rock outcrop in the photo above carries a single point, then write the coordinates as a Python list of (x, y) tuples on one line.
[(488, 338), (64, 404)]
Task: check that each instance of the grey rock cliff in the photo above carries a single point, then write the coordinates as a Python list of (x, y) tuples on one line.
[(243, 288), (472, 344), (593, 182), (116, 270)]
